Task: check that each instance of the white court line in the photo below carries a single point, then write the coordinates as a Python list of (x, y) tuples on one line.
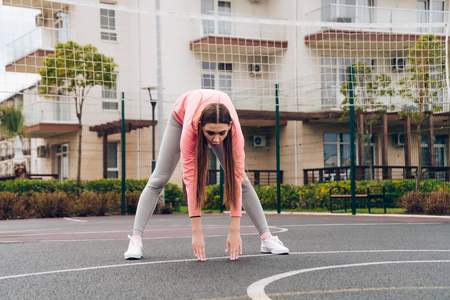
[(126, 231), (256, 289), (361, 224), (75, 220), (194, 259), (281, 230), (358, 215)]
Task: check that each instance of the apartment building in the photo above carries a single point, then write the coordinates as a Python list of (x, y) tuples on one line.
[(254, 50)]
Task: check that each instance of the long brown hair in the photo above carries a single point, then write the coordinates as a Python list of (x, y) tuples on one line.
[(216, 113)]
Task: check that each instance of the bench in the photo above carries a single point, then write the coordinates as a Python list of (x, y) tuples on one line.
[(340, 195)]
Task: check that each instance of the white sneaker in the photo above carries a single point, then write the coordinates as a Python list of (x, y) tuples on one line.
[(134, 249), (273, 245)]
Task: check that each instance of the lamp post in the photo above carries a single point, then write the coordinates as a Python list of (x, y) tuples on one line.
[(153, 102)]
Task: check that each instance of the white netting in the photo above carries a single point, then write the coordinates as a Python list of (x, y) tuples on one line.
[(186, 45)]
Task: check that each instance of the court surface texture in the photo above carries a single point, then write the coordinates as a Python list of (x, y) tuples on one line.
[(332, 256)]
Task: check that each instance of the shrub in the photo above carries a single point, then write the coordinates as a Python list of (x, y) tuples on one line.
[(50, 205), (10, 206), (412, 202), (173, 196), (437, 203), (131, 201)]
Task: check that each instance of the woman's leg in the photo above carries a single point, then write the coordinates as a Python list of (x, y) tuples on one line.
[(169, 155), (250, 199)]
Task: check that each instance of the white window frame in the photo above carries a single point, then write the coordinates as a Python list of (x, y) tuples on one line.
[(215, 7), (358, 11), (335, 69), (111, 33), (112, 168), (428, 14), (221, 73), (63, 161), (61, 25), (110, 102)]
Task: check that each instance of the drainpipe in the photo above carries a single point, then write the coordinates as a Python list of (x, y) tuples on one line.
[(139, 94), (296, 98)]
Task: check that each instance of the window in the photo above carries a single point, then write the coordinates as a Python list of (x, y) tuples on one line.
[(224, 8), (109, 96), (370, 150), (336, 149), (62, 161), (208, 76), (347, 11), (213, 165), (108, 24), (430, 11), (61, 24), (113, 170), (439, 150), (213, 7), (222, 71), (333, 76)]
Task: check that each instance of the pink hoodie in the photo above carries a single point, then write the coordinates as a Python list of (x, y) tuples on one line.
[(187, 111)]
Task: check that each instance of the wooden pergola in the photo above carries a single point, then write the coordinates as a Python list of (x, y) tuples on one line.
[(103, 130)]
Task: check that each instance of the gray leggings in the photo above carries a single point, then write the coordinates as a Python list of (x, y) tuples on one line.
[(169, 155)]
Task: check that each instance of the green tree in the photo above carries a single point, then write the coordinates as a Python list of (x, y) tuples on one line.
[(369, 90), (424, 85), (12, 126), (72, 71)]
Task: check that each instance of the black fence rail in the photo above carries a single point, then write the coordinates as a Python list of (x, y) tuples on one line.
[(256, 177), (374, 173)]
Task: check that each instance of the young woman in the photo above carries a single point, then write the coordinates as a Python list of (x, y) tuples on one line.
[(201, 119)]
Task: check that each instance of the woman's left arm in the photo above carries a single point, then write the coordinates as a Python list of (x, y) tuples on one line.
[(234, 242)]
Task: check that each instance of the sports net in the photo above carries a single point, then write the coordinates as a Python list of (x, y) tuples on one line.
[(178, 47)]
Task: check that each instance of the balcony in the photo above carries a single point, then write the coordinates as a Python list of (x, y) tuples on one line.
[(45, 119), (238, 37), (26, 53), (377, 15), (34, 4), (375, 30)]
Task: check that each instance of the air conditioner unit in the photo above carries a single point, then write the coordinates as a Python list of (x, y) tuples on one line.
[(42, 151), (398, 64), (258, 141), (39, 19), (399, 139), (254, 69)]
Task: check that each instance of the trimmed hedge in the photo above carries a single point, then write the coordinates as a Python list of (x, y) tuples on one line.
[(51, 198), (433, 203), (317, 196)]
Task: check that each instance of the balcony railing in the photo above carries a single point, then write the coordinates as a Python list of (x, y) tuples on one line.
[(39, 38), (235, 27), (46, 111), (379, 15), (375, 173)]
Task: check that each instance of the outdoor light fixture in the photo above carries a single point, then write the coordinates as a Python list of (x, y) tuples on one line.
[(153, 102)]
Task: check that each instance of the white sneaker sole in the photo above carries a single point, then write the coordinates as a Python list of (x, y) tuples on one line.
[(270, 252), (132, 256)]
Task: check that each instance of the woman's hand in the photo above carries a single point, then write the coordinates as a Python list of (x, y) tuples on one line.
[(198, 242), (198, 245), (234, 242)]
